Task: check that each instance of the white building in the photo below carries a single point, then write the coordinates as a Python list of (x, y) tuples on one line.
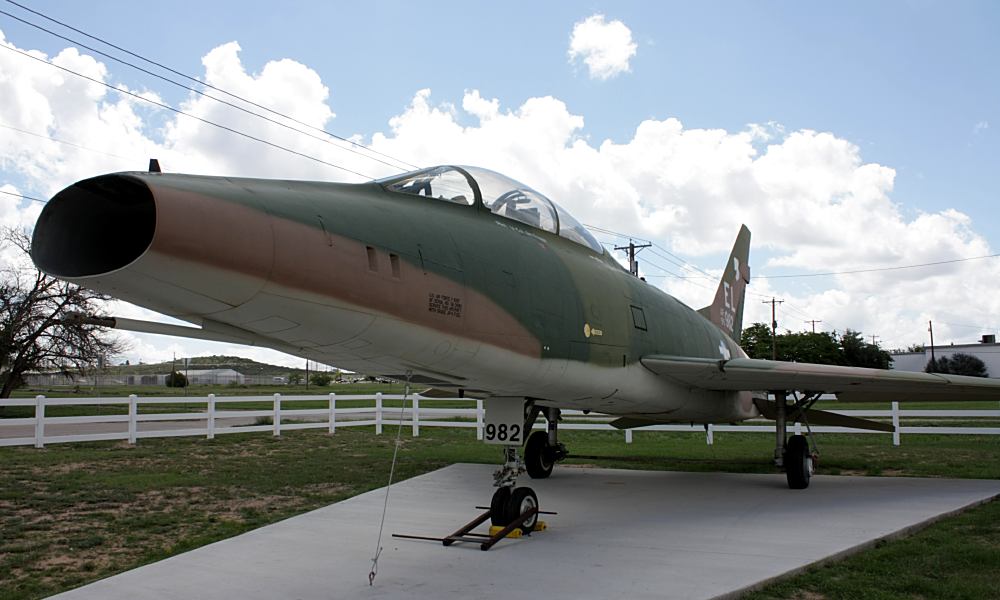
[(987, 351)]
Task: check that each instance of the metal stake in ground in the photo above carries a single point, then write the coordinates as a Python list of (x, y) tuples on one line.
[(392, 470)]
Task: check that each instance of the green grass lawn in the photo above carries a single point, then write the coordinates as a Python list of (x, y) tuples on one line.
[(73, 513)]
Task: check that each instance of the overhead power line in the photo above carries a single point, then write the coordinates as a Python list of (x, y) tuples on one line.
[(58, 141), (877, 269), (197, 91), (684, 264), (189, 115), (352, 143), (23, 196)]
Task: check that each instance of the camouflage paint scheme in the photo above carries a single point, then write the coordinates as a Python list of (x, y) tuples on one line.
[(383, 282)]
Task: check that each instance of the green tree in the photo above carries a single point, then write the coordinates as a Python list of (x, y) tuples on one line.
[(859, 353), (756, 341), (321, 379), (823, 347), (294, 379), (818, 348)]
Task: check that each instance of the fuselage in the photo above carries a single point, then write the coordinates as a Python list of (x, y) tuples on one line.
[(387, 283)]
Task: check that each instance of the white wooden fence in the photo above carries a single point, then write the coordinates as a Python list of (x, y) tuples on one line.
[(38, 430)]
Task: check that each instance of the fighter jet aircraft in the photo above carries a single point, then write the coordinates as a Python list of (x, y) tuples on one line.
[(458, 279)]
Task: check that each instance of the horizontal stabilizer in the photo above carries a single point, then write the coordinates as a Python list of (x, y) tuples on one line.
[(454, 393), (437, 393), (822, 417), (631, 423)]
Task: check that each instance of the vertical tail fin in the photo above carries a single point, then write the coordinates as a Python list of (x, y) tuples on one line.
[(727, 309)]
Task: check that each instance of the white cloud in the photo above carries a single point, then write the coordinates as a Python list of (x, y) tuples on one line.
[(605, 47), (809, 197), (980, 127), (16, 213)]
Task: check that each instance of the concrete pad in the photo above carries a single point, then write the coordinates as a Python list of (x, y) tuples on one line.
[(619, 533)]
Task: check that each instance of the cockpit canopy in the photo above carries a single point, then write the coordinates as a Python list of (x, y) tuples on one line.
[(500, 194)]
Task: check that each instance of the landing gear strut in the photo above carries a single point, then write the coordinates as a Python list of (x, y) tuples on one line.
[(543, 449), (509, 502), (793, 455)]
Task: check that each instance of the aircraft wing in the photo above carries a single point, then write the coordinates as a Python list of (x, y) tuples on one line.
[(850, 384)]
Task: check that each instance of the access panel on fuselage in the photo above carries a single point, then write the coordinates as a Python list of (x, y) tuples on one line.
[(500, 283), (597, 327)]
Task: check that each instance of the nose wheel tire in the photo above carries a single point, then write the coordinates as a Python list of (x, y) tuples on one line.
[(509, 504), (522, 500), (538, 455), (798, 462), (499, 507)]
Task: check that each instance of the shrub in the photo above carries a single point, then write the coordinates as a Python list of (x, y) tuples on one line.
[(176, 380), (321, 379), (958, 364)]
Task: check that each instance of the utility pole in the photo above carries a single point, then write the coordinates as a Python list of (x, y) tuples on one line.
[(633, 265), (813, 321), (774, 326), (930, 328), (874, 340)]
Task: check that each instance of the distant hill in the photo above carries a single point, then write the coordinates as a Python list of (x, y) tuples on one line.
[(239, 364)]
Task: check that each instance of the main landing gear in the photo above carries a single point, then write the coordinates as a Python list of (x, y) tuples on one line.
[(793, 455), (543, 449)]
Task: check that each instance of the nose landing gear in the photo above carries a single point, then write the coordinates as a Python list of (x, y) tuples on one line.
[(518, 506), (509, 501)]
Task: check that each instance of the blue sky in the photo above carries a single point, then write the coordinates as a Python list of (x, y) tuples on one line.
[(906, 81), (913, 87)]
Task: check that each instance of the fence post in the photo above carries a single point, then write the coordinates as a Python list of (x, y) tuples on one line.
[(415, 417), (277, 414), (211, 416), (628, 436), (709, 435), (333, 413), (133, 411), (378, 413), (479, 419), (39, 421), (895, 423)]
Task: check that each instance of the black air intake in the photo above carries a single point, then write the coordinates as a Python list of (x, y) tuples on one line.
[(95, 226)]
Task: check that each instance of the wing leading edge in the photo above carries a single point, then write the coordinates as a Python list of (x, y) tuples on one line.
[(850, 384)]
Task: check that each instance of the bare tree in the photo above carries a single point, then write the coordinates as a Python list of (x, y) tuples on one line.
[(37, 332)]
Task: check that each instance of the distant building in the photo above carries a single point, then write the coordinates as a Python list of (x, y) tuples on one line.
[(195, 377), (986, 350), (215, 376), (56, 378)]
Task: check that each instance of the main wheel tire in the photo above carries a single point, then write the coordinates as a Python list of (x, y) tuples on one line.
[(538, 455), (522, 500), (500, 507), (798, 462)]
